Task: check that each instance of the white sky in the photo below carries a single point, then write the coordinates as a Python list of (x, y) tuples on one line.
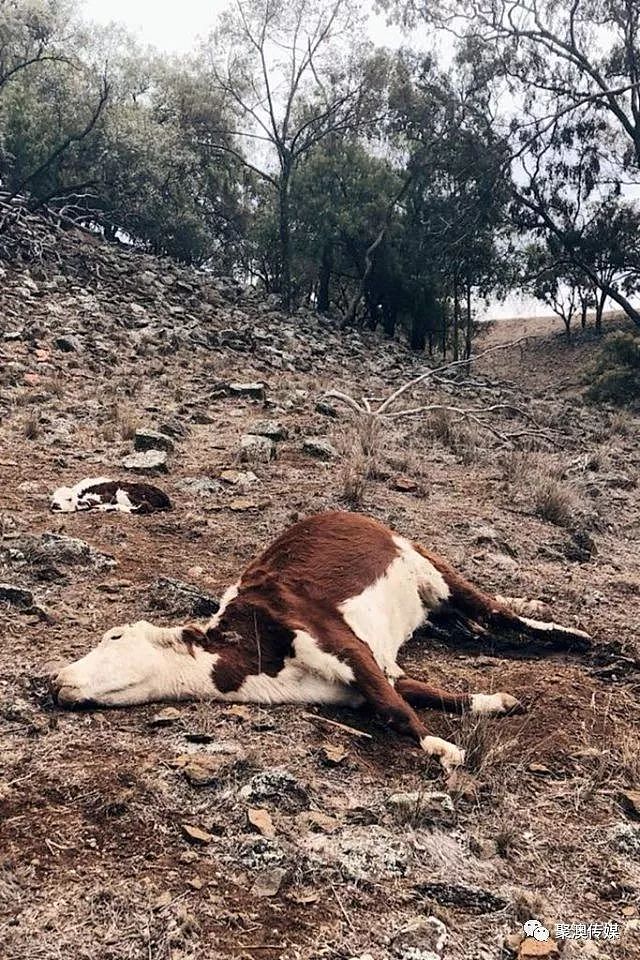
[(175, 26)]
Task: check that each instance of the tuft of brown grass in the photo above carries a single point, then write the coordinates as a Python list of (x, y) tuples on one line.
[(463, 439), (361, 459), (516, 465), (622, 423), (31, 427), (55, 385), (123, 420), (555, 501)]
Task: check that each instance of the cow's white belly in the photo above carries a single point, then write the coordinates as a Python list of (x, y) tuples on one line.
[(388, 612)]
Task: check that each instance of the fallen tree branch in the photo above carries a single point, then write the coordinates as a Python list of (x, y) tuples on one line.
[(363, 407)]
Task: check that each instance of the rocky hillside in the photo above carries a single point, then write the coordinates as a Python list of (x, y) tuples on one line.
[(225, 831)]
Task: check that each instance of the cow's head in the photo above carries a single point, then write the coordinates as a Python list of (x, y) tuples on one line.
[(65, 500), (136, 663)]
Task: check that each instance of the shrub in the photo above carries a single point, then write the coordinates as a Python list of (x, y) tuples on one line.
[(617, 371)]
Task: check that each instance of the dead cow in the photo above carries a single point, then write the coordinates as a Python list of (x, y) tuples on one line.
[(102, 493), (319, 617)]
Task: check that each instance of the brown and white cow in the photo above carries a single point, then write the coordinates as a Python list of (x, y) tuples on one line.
[(106, 495), (319, 617)]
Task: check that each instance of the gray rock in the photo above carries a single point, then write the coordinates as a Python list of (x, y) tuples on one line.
[(278, 787), (423, 938), (318, 448), (268, 428), (268, 884), (254, 449), (362, 852), (15, 596), (173, 427), (181, 598), (417, 807), (326, 409), (152, 440), (68, 344), (199, 486), (59, 548), (149, 461), (257, 390)]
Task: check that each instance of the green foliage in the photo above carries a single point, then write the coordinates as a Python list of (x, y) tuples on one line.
[(617, 372)]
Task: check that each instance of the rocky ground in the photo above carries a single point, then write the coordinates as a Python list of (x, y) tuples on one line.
[(234, 832)]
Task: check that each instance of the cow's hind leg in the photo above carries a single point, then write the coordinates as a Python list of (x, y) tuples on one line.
[(420, 694)]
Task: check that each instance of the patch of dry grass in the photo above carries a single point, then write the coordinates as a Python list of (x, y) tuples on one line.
[(31, 427), (516, 465), (122, 420), (360, 446), (463, 438), (555, 500)]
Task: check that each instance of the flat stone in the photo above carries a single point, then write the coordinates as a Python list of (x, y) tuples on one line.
[(15, 596), (196, 835), (256, 390), (431, 807), (318, 448), (205, 770), (178, 597), (423, 937), (260, 820), (152, 440), (255, 449), (240, 478), (72, 551), (269, 428), (199, 486), (268, 884), (165, 717), (149, 461), (538, 948)]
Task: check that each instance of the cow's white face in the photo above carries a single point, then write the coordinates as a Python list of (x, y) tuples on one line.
[(64, 500), (136, 663)]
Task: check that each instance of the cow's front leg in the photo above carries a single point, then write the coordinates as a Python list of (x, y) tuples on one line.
[(372, 683)]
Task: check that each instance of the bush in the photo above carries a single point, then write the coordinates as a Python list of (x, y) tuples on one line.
[(617, 372)]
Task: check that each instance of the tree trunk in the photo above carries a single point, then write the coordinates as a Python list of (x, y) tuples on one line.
[(418, 333), (371, 254), (456, 319), (324, 277), (388, 319), (370, 320), (469, 324), (583, 315), (285, 239), (567, 326), (600, 302), (445, 331)]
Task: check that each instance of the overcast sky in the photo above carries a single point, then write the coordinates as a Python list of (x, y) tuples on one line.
[(174, 26)]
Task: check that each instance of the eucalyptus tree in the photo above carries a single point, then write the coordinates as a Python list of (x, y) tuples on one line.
[(292, 74), (563, 75)]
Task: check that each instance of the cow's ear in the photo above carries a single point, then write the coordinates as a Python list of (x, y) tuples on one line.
[(192, 636)]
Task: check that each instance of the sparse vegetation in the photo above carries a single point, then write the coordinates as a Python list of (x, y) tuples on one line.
[(616, 376), (32, 427), (404, 214), (554, 500)]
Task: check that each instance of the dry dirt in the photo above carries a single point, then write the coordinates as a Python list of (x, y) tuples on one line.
[(94, 859)]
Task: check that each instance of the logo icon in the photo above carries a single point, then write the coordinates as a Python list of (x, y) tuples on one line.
[(533, 928)]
